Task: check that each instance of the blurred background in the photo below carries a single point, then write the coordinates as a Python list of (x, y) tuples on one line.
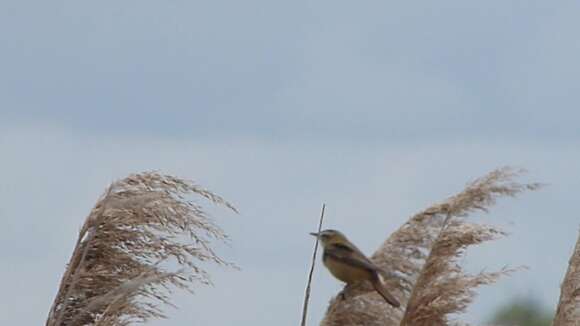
[(376, 108)]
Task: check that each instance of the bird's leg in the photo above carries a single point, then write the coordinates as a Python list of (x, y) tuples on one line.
[(342, 293)]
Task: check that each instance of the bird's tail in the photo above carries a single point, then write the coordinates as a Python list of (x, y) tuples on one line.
[(382, 290)]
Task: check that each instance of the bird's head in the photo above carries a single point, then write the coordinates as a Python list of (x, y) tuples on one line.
[(327, 237)]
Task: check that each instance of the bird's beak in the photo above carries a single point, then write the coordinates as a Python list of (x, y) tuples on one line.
[(314, 234)]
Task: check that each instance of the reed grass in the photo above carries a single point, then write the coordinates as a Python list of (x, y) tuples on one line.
[(420, 260), (568, 311), (118, 272)]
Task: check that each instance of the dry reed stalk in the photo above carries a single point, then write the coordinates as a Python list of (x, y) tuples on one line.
[(568, 311), (403, 256), (312, 264), (116, 275)]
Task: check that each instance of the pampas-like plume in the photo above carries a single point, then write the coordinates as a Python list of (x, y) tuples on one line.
[(115, 275), (442, 287), (428, 243), (568, 312)]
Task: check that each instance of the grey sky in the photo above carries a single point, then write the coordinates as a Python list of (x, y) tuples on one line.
[(376, 108)]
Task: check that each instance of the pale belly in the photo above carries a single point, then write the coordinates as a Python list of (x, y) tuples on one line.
[(346, 273)]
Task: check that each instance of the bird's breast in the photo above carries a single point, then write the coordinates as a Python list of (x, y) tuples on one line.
[(345, 272)]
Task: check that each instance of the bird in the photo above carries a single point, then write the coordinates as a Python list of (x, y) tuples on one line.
[(348, 264)]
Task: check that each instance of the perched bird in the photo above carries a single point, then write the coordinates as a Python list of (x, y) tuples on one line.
[(348, 264)]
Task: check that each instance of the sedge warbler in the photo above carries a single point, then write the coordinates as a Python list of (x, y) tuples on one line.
[(348, 264)]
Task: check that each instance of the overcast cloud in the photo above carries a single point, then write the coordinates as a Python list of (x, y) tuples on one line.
[(376, 108)]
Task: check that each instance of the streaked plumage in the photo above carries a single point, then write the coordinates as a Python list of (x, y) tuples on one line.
[(348, 264)]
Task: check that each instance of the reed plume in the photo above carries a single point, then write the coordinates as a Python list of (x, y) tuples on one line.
[(420, 260), (442, 287), (118, 273), (568, 311)]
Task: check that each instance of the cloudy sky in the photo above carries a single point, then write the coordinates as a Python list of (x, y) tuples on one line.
[(376, 108)]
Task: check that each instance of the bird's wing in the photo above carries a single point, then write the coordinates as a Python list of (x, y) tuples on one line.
[(350, 256)]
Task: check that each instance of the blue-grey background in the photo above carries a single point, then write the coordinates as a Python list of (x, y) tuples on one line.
[(376, 108)]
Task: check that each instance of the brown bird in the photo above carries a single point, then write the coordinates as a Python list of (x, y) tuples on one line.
[(348, 264)]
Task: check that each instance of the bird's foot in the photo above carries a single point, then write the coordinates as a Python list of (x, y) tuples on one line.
[(344, 291)]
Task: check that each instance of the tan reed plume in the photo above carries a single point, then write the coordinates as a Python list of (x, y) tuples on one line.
[(427, 245), (118, 271), (568, 311)]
